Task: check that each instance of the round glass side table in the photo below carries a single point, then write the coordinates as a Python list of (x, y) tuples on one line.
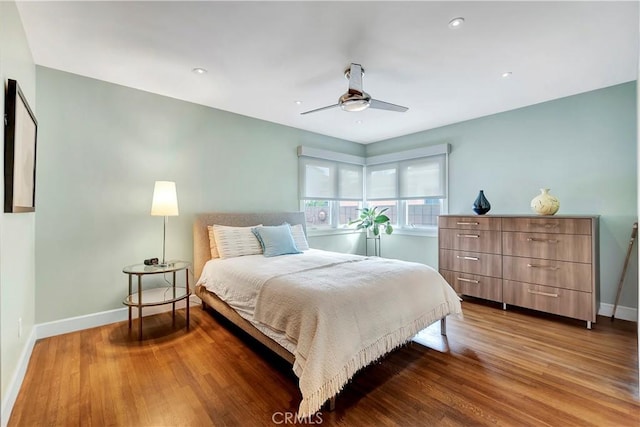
[(159, 295)]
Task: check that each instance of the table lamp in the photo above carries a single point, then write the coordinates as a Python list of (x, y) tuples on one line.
[(165, 203)]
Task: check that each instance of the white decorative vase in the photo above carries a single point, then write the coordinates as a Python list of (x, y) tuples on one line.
[(544, 203)]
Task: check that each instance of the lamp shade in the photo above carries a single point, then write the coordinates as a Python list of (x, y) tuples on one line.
[(165, 199)]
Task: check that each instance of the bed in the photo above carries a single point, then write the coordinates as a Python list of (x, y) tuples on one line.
[(327, 314)]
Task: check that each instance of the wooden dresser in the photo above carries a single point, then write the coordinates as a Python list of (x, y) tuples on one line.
[(548, 263)]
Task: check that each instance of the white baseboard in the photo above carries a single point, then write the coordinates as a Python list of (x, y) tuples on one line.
[(72, 324), (623, 313), (17, 378)]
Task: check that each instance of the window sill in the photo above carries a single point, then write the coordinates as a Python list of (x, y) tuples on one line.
[(313, 232), (422, 232)]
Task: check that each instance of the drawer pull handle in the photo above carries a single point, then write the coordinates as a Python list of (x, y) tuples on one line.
[(462, 279), (533, 239), (544, 294), (470, 258), (546, 267), (467, 223), (469, 236)]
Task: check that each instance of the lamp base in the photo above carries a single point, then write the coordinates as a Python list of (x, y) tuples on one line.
[(164, 264)]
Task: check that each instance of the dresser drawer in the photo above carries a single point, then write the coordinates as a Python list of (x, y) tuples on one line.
[(470, 222), (471, 262), (563, 247), (564, 302), (474, 285), (468, 240), (561, 274), (548, 225)]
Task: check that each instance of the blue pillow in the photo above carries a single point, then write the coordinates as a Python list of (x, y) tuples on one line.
[(276, 240)]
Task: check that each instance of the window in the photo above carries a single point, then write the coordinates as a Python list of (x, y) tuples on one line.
[(412, 184), (331, 187), (317, 212), (348, 211), (423, 213), (330, 213)]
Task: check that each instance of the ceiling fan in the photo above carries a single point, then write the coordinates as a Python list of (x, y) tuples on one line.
[(357, 99)]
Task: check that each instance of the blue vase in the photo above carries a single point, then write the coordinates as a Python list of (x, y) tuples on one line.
[(481, 206)]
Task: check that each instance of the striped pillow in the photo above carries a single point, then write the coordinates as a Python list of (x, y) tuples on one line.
[(232, 242), (299, 238)]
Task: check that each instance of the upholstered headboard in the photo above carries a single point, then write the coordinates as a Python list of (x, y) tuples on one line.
[(201, 249)]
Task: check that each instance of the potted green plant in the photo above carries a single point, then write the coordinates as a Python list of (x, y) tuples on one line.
[(372, 219)]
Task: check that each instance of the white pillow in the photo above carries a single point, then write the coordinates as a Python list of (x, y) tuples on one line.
[(299, 238), (234, 241)]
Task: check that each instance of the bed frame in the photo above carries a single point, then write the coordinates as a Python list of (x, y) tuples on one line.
[(202, 254)]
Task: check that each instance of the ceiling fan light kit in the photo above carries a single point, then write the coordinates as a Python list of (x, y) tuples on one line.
[(456, 23), (354, 104), (356, 99)]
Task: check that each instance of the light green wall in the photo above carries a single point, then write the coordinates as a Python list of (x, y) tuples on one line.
[(351, 243), (102, 146), (17, 231), (583, 147)]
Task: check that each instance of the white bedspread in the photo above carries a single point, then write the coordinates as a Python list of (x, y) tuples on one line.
[(341, 311), (237, 281)]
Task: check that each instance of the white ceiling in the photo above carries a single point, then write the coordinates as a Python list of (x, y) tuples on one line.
[(263, 56)]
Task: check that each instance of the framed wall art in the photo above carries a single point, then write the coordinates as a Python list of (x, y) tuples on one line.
[(20, 135)]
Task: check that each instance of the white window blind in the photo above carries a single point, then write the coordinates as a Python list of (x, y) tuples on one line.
[(322, 179), (318, 179), (349, 182), (382, 182), (423, 178), (409, 178)]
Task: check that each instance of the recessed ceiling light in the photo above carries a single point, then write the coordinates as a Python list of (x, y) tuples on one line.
[(456, 23), (358, 122), (199, 70), (506, 74), (298, 102)]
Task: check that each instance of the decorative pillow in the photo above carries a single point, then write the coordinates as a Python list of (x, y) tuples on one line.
[(235, 241), (276, 240), (299, 238)]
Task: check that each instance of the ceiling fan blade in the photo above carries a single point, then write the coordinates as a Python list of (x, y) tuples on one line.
[(381, 105), (355, 79), (320, 109)]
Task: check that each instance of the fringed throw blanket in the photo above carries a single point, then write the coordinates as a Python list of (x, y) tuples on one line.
[(346, 315)]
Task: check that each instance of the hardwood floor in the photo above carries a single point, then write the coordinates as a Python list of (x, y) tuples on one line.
[(510, 368)]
